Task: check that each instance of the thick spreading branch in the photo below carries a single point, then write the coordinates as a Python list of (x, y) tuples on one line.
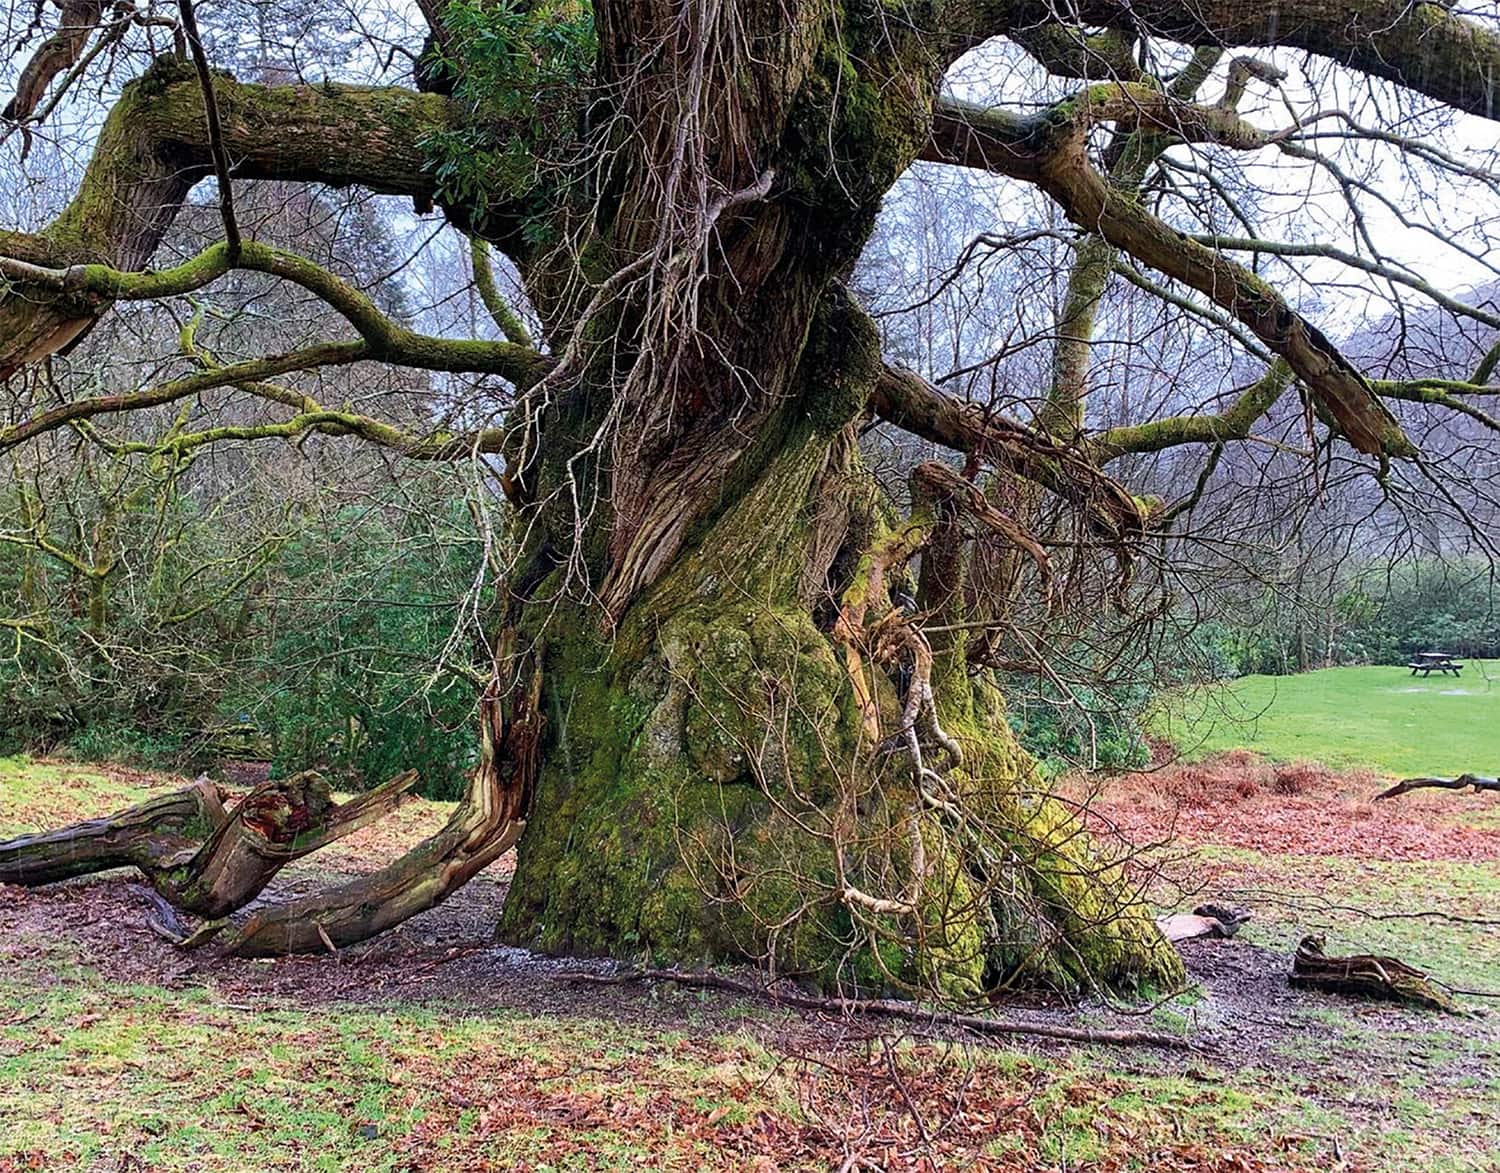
[(155, 146), (1426, 47), (910, 402), (1049, 149)]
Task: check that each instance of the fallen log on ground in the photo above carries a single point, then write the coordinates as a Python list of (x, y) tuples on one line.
[(1366, 975), (890, 1008), (1462, 782), (204, 859), (202, 856)]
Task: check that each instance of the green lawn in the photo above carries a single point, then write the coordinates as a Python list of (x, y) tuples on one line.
[(1378, 717)]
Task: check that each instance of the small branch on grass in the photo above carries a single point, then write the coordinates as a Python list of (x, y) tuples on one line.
[(890, 1008), (1462, 782), (1308, 903)]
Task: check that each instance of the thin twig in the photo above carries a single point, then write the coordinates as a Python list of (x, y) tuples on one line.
[(215, 132)]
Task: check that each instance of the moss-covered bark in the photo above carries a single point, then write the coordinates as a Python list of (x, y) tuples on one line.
[(710, 790)]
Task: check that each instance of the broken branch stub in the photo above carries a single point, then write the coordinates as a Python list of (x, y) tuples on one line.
[(1366, 975)]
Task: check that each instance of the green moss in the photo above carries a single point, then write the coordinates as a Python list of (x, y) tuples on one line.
[(858, 123), (700, 756)]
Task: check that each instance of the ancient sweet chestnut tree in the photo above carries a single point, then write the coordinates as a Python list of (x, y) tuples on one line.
[(741, 703)]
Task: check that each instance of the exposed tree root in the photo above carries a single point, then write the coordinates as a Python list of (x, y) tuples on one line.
[(485, 825), (199, 856), (906, 1011), (1462, 782), (1366, 975)]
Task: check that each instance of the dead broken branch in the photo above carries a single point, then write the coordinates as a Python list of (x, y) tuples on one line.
[(1462, 782), (204, 858), (1366, 975)]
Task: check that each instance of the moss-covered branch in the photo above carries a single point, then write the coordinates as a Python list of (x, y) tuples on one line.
[(1445, 393), (308, 358), (1426, 47), (155, 146), (494, 302), (1234, 423), (85, 286), (1049, 149)]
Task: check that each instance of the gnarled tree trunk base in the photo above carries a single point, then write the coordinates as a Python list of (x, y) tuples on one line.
[(710, 790)]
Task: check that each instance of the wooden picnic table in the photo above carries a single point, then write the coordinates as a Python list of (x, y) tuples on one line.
[(1429, 662)]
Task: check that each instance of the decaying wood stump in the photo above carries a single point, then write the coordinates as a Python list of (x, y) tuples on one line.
[(203, 857), (1366, 975)]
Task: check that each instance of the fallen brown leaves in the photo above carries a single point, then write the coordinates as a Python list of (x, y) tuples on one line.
[(1238, 799)]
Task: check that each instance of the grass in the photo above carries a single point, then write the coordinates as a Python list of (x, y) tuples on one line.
[(39, 796), (180, 1080), (1379, 718), (100, 1069), (99, 1074)]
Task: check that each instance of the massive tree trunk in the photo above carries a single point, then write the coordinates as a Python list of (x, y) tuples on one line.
[(727, 771), (709, 788), (727, 768), (712, 782)]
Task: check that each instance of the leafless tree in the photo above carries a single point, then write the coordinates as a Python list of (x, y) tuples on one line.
[(727, 660)]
